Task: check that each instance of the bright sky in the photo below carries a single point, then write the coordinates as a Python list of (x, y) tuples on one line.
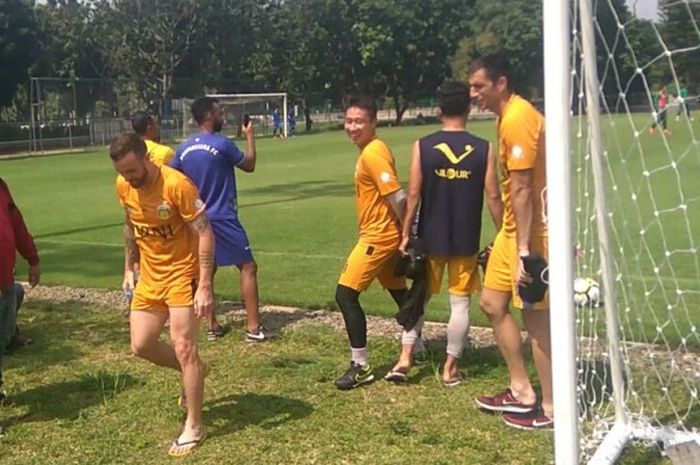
[(647, 9)]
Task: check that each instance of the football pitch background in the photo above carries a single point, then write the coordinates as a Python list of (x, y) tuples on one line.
[(80, 398)]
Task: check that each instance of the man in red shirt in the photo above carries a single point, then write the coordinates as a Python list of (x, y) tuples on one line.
[(14, 237)]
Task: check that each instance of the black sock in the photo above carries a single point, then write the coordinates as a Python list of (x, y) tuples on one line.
[(355, 323)]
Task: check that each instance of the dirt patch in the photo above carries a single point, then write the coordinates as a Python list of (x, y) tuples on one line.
[(275, 317)]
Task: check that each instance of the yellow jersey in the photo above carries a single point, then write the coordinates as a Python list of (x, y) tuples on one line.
[(521, 146), (159, 154), (159, 213), (375, 177)]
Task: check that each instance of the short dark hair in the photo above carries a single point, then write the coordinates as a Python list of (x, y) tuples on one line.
[(453, 98), (125, 143), (201, 107), (495, 66), (363, 102), (140, 122)]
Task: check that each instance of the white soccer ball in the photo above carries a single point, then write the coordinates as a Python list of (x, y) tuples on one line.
[(587, 292)]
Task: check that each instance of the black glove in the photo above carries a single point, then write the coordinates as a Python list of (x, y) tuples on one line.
[(413, 263), (483, 257), (536, 266)]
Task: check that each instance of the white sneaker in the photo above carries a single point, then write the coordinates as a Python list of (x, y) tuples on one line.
[(258, 336)]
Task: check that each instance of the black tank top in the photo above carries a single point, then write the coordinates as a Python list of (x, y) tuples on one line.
[(453, 164)]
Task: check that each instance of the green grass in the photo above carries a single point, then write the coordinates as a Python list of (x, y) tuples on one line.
[(299, 212), (77, 396)]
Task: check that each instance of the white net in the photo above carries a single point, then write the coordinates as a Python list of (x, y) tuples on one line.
[(262, 109), (649, 71)]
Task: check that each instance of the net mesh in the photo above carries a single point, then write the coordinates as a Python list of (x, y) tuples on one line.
[(651, 158)]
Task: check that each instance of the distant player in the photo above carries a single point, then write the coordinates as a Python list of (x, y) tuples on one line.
[(277, 123), (146, 127), (450, 170), (209, 159), (380, 207), (166, 222), (291, 123), (661, 112), (683, 103), (522, 159)]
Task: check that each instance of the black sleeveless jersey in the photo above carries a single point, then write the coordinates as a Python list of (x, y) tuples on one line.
[(453, 164)]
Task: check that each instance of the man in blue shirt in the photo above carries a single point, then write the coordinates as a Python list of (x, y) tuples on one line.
[(208, 159), (276, 123)]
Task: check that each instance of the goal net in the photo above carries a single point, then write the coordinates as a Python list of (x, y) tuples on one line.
[(269, 113), (635, 191)]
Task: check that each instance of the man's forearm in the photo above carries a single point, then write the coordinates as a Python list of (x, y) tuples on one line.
[(522, 210), (131, 250), (206, 256), (411, 210)]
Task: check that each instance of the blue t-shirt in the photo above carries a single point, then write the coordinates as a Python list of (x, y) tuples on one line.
[(276, 118), (209, 161)]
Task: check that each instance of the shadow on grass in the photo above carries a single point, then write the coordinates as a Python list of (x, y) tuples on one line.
[(295, 191), (68, 399), (60, 329), (237, 411), (274, 320)]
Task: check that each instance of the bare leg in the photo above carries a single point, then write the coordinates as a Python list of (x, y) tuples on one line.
[(145, 328), (537, 324), (184, 328), (249, 292), (505, 329)]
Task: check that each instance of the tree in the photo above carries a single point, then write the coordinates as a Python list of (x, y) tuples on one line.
[(512, 28), (405, 46), (17, 50), (678, 29)]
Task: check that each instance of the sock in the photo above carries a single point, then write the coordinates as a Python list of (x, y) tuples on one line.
[(359, 356), (458, 326)]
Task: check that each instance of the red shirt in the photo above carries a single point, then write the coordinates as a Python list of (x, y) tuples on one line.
[(14, 237)]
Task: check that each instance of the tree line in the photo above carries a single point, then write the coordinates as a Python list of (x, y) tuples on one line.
[(398, 51)]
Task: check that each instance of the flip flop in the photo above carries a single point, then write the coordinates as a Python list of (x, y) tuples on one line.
[(397, 376), (188, 445), (454, 382)]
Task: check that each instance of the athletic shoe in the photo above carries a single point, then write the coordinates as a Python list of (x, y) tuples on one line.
[(503, 402), (355, 376), (219, 331), (535, 420), (258, 336)]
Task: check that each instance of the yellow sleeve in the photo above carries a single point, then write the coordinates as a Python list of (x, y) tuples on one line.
[(379, 163), (520, 134), (168, 155), (186, 199), (122, 187)]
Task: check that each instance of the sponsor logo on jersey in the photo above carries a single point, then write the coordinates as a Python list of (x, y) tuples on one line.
[(451, 173), (450, 155)]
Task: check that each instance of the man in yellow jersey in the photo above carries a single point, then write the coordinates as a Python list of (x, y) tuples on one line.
[(523, 232), (146, 127), (166, 223), (380, 206)]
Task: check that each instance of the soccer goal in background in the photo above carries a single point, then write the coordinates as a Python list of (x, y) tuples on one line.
[(259, 107), (627, 195)]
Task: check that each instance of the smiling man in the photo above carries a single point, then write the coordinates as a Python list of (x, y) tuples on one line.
[(380, 206), (166, 223)]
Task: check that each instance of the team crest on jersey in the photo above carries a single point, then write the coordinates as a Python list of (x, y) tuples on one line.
[(163, 210), (198, 204)]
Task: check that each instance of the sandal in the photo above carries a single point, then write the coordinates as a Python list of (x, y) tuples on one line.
[(180, 449), (454, 382), (398, 375)]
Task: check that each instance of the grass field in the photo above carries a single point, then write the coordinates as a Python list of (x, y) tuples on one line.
[(275, 404)]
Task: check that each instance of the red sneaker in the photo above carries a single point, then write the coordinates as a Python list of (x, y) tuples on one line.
[(535, 420), (503, 402)]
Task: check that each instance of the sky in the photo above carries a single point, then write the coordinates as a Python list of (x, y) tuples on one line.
[(646, 9)]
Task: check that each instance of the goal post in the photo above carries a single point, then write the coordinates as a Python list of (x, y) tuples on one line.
[(622, 186), (259, 106)]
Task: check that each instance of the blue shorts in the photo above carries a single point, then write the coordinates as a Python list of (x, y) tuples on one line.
[(232, 247)]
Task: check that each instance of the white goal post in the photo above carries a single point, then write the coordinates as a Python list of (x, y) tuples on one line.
[(258, 105), (626, 372)]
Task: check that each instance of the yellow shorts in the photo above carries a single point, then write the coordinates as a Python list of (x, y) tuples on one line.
[(367, 262), (462, 274), (503, 267), (148, 297)]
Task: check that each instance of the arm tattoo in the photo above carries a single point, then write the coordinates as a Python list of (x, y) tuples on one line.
[(200, 223), (131, 250), (206, 260)]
